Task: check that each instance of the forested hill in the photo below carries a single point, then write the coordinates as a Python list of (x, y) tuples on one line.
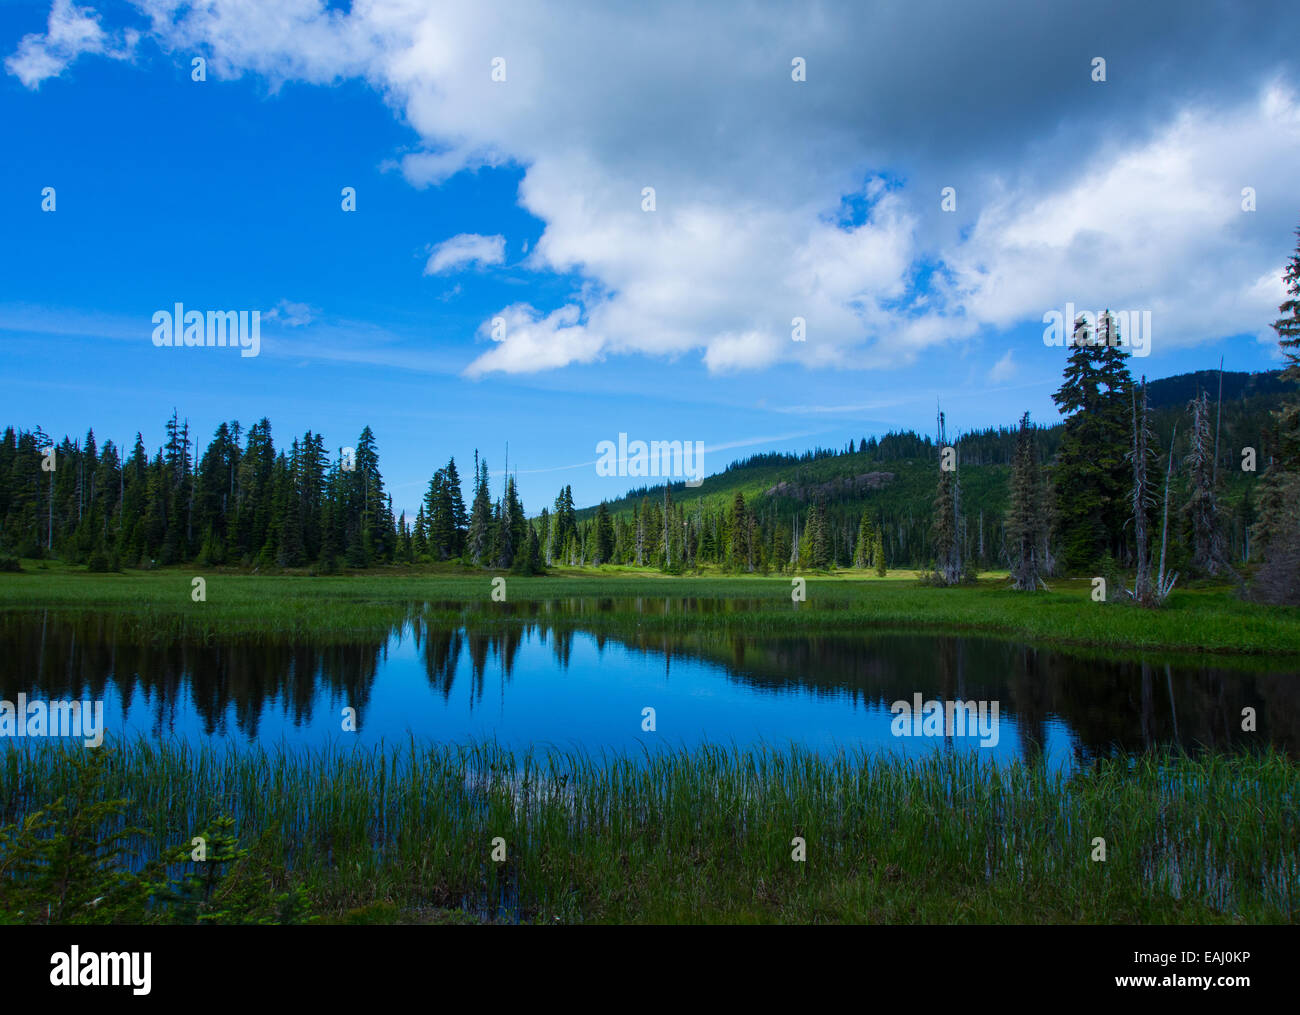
[(244, 502), (892, 478), (1180, 389)]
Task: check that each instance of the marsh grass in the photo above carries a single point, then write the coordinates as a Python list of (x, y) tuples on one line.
[(242, 607), (705, 834)]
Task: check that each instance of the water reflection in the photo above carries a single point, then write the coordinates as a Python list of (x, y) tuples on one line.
[(453, 672)]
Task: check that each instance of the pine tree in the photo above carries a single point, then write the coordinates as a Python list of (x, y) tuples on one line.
[(738, 528), (862, 555), (639, 519), (604, 551), (479, 538), (561, 527), (780, 548), (256, 467), (331, 544), (544, 536), (375, 522), (511, 526), (312, 469), (1288, 325), (529, 560), (1111, 454), (1091, 474), (459, 516), (519, 518), (134, 498), (441, 529), (1275, 536), (816, 549), (213, 505), (419, 543), (945, 530), (1024, 524), (289, 552), (406, 549)]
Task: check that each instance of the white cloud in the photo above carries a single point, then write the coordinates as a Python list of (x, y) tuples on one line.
[(466, 249), (533, 342), (1133, 206), (70, 31), (292, 315), (1156, 225), (1003, 370)]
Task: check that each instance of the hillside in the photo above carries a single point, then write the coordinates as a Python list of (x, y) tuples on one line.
[(892, 477)]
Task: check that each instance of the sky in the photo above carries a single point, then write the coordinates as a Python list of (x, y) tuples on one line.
[(500, 154)]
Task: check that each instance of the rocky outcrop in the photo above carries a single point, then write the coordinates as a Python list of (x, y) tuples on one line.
[(836, 487)]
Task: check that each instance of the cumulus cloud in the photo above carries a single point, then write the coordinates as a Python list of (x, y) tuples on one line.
[(528, 341), (70, 32), (820, 199), (466, 249), (1154, 226)]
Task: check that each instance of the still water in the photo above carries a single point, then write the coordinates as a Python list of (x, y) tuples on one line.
[(541, 679)]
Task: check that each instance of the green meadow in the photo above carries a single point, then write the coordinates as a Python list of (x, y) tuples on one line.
[(238, 605)]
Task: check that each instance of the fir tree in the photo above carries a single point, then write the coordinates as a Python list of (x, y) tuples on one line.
[(441, 534), (738, 528), (459, 516), (479, 538), (604, 550), (816, 549), (1288, 325), (1275, 536), (406, 549), (862, 554), (1024, 524), (1091, 475), (945, 531), (419, 543), (529, 560)]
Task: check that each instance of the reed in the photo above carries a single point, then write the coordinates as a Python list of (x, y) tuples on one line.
[(405, 832)]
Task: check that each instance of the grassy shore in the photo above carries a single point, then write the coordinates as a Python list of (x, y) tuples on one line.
[(407, 834), (242, 606)]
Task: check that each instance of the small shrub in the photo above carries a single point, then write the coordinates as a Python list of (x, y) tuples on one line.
[(63, 864), (1108, 569), (68, 863), (230, 886)]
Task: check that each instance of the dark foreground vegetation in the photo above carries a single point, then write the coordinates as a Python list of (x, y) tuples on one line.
[(408, 835)]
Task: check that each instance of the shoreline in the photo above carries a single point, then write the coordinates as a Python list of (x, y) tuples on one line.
[(1208, 622)]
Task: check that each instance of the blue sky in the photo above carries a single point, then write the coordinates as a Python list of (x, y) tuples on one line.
[(673, 324)]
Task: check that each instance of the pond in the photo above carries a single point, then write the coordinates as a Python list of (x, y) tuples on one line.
[(546, 674)]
